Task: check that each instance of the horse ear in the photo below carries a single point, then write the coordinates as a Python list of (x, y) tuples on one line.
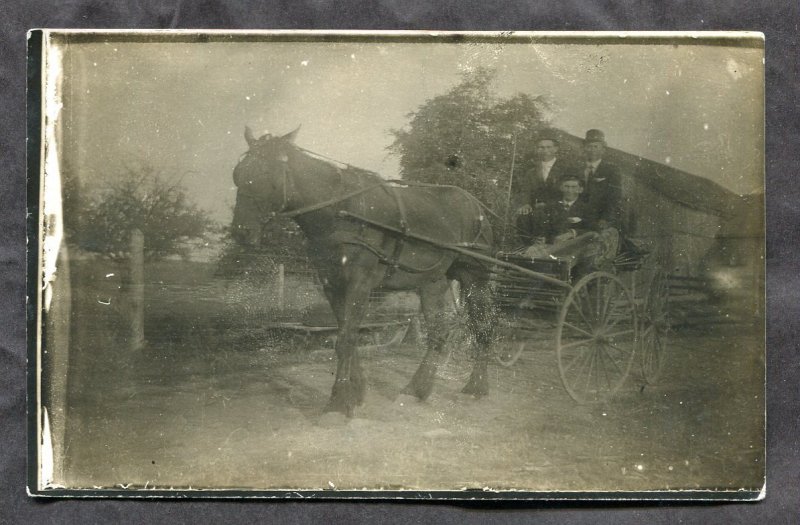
[(248, 136), (291, 136)]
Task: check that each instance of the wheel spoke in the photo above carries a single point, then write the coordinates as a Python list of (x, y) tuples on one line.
[(602, 353), (613, 361), (578, 329), (578, 301), (604, 313), (575, 343), (591, 369), (588, 303), (621, 352), (598, 289), (615, 322), (586, 361), (617, 334), (615, 304), (657, 343), (617, 314), (578, 357), (598, 337), (652, 354)]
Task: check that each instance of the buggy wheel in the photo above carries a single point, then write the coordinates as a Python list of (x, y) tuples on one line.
[(655, 327), (458, 357), (596, 337), (509, 345), (508, 353)]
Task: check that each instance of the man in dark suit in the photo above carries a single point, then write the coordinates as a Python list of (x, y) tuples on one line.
[(559, 220), (565, 229), (602, 183), (539, 183)]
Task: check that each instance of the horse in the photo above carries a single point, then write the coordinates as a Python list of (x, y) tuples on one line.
[(365, 233)]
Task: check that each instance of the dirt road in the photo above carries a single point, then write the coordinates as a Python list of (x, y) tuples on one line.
[(234, 408)]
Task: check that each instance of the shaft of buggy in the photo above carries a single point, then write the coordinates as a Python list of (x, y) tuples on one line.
[(458, 249)]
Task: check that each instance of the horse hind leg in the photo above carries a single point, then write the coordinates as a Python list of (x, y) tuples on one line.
[(434, 309), (481, 320)]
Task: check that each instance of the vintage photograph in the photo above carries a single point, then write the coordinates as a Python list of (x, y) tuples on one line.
[(451, 265)]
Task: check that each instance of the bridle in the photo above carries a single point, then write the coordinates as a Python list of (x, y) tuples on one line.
[(288, 186)]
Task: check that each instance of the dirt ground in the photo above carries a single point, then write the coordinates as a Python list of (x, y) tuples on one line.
[(218, 399)]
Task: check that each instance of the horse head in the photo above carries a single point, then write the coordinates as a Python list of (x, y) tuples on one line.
[(262, 179)]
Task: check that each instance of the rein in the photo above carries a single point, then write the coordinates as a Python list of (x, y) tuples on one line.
[(389, 185), (392, 262), (326, 203)]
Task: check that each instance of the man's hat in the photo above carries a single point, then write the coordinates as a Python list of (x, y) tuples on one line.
[(548, 134), (594, 135)]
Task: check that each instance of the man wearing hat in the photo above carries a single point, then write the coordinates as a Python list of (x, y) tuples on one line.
[(602, 184)]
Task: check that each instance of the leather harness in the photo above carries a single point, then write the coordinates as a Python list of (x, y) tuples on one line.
[(400, 233)]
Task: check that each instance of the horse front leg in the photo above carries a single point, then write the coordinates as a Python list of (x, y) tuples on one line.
[(434, 309), (349, 303), (481, 320), (348, 387)]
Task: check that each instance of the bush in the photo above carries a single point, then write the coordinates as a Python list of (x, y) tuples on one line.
[(141, 199), (282, 241)]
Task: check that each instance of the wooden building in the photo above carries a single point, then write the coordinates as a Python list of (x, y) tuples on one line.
[(700, 232), (677, 215)]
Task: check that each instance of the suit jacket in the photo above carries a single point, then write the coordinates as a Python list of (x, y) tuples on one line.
[(553, 219), (529, 187), (602, 193)]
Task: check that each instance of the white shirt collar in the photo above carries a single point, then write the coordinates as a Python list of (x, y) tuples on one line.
[(547, 166), (594, 164)]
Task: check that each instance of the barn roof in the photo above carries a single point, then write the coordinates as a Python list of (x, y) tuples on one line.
[(747, 219), (695, 192)]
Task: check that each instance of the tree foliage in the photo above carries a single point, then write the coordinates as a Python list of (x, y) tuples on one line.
[(468, 136), (282, 241), (141, 198)]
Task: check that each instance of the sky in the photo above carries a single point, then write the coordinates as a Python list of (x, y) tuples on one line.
[(182, 107)]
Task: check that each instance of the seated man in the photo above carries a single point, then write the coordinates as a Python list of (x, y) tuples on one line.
[(564, 229)]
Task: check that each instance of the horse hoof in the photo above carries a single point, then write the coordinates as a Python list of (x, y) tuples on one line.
[(341, 407), (332, 419), (406, 399), (421, 392), (476, 391)]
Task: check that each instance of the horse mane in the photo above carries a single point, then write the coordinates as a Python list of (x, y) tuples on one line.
[(343, 169)]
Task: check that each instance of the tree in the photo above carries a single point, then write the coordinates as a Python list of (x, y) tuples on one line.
[(281, 242), (141, 198), (467, 137)]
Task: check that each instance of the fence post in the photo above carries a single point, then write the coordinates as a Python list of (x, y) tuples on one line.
[(281, 286), (136, 290)]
